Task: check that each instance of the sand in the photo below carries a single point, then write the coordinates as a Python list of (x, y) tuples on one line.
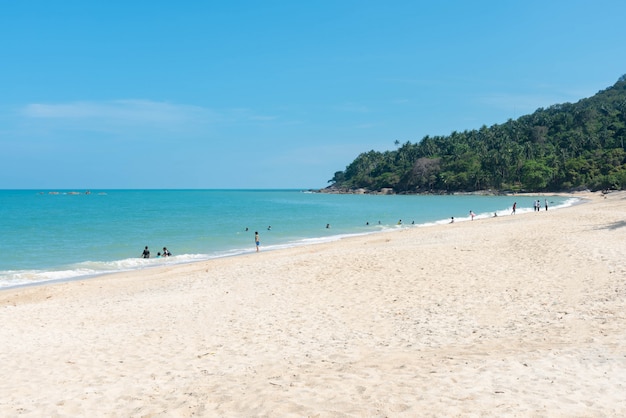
[(512, 316)]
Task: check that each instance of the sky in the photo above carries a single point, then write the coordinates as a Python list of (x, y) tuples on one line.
[(275, 94)]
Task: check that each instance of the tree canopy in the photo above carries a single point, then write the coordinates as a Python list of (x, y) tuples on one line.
[(562, 148)]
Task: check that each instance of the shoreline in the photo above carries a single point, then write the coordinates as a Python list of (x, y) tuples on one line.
[(514, 315), (486, 192), (91, 269), (582, 197)]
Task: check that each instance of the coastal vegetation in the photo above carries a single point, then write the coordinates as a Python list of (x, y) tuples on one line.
[(564, 147)]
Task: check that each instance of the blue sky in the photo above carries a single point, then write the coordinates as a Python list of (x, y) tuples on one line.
[(275, 94)]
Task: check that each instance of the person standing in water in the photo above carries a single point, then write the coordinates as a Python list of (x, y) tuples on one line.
[(146, 253), (257, 241)]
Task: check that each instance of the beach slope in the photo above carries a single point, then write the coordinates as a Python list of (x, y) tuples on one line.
[(519, 315)]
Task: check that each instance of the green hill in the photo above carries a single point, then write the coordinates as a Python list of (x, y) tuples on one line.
[(562, 148)]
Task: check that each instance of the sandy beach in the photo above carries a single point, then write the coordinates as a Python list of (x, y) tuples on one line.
[(519, 315)]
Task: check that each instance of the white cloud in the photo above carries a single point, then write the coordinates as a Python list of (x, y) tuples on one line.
[(120, 113)]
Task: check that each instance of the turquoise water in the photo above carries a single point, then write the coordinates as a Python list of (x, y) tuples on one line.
[(48, 236)]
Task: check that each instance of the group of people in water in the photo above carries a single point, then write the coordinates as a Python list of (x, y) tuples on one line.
[(257, 240), (165, 253), (536, 206)]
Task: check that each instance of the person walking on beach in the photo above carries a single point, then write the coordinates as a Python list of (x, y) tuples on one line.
[(546, 204), (146, 253), (472, 214), (257, 241), (514, 206)]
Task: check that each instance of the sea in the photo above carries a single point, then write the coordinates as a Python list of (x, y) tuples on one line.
[(61, 235)]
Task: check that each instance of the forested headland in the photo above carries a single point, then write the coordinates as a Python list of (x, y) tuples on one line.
[(564, 147)]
